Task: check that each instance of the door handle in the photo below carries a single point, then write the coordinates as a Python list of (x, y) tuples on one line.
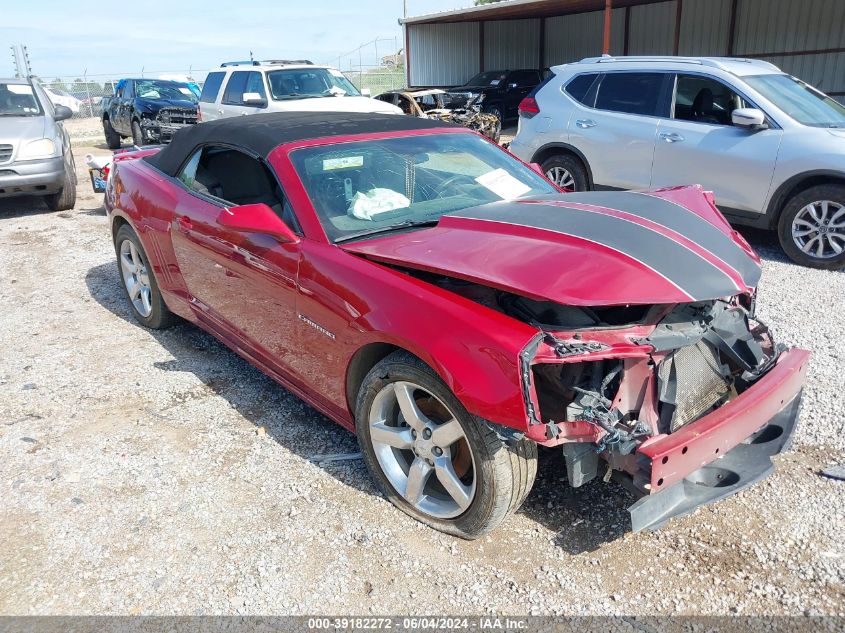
[(585, 123), (671, 137), (219, 110), (185, 224)]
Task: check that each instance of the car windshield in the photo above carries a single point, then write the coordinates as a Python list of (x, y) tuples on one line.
[(164, 90), (486, 79), (18, 100), (304, 83), (364, 188), (799, 100)]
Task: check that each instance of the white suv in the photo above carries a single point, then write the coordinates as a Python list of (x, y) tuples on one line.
[(275, 86), (770, 147)]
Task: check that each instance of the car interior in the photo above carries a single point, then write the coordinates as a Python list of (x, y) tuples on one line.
[(236, 178), (703, 100)]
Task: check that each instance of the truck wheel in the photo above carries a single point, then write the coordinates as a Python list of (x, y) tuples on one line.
[(496, 111), (137, 134), (433, 459), (811, 228), (65, 199), (112, 137)]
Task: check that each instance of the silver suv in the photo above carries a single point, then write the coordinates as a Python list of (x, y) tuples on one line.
[(770, 147), (35, 156)]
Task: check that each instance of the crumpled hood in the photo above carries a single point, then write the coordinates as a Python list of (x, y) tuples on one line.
[(17, 129), (594, 248), (170, 103)]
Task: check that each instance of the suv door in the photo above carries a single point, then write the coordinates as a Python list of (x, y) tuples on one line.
[(123, 117), (242, 82), (700, 145), (614, 125), (244, 284)]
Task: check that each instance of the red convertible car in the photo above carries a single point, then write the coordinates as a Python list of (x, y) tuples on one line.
[(430, 292)]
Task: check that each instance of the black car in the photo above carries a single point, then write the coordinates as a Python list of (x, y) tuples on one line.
[(148, 110), (500, 91)]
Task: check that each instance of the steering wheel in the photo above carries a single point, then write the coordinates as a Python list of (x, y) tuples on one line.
[(450, 182)]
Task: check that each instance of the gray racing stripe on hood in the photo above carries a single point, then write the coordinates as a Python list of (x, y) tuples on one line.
[(680, 219), (684, 268)]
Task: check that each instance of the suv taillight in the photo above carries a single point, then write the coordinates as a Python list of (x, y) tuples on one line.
[(528, 107)]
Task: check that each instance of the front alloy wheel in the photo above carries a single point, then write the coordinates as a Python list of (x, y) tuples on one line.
[(811, 228), (422, 450), (819, 229), (433, 459), (561, 177)]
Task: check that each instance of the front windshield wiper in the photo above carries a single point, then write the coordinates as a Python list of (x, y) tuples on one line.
[(407, 224)]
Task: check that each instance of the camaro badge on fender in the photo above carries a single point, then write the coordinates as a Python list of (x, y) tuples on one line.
[(319, 328)]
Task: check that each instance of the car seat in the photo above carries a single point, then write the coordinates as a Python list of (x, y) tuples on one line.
[(702, 107)]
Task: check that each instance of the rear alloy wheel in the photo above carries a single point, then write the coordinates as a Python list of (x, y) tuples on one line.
[(139, 283), (566, 172), (431, 458), (812, 227)]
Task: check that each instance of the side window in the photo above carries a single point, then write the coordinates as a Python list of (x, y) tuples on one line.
[(255, 83), (211, 87), (234, 94), (129, 90), (580, 88), (705, 100), (235, 178), (632, 93), (525, 78)]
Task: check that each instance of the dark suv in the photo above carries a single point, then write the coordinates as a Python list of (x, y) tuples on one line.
[(500, 91)]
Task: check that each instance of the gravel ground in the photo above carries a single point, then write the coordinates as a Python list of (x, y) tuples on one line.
[(158, 473)]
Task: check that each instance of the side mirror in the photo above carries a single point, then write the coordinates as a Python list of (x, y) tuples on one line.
[(61, 113), (257, 218), (366, 92), (254, 99), (748, 118)]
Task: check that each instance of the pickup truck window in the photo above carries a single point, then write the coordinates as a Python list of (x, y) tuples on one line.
[(211, 87)]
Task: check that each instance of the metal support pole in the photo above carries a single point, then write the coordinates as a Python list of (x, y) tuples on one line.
[(608, 12)]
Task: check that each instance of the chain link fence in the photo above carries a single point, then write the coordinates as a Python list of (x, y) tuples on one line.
[(377, 65)]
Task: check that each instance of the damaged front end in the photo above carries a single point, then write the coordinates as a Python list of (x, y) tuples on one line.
[(159, 127), (470, 115), (660, 393)]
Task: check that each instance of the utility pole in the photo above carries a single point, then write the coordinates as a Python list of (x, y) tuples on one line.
[(405, 3), (20, 57)]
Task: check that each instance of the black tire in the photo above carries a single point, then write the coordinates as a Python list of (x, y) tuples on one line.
[(160, 316), (832, 193), (65, 199), (112, 137), (504, 474), (496, 110), (571, 164), (137, 133)]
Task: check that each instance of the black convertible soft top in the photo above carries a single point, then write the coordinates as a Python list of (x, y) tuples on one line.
[(262, 133)]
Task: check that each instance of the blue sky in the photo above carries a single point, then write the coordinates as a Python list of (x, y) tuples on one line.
[(66, 37)]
